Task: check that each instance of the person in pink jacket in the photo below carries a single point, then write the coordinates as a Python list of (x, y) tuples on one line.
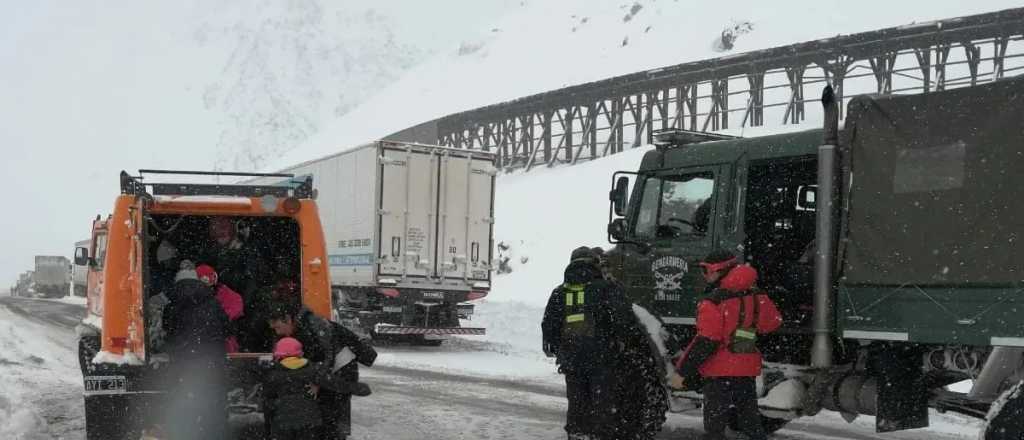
[(229, 300)]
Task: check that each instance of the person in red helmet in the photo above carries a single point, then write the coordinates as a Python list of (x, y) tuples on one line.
[(229, 300), (724, 351)]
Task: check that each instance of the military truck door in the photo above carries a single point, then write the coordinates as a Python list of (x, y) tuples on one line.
[(678, 214)]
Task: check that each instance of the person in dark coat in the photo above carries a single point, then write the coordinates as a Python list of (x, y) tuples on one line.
[(290, 391), (584, 325), (724, 352), (241, 268), (335, 350), (195, 325)]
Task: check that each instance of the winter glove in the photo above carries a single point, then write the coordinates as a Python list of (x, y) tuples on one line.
[(550, 351), (676, 382)]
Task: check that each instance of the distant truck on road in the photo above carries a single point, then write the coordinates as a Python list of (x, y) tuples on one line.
[(409, 236), (80, 272), (52, 276), (24, 286)]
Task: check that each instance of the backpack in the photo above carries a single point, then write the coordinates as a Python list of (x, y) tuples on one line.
[(743, 339)]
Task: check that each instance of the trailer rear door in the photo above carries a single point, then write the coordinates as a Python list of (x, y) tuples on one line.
[(467, 183), (408, 206)]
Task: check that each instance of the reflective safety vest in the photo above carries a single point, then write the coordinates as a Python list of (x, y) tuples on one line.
[(578, 321)]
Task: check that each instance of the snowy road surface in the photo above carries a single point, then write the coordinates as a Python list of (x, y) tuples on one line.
[(42, 388)]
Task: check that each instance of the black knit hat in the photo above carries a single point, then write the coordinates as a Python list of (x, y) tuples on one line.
[(718, 256), (584, 253)]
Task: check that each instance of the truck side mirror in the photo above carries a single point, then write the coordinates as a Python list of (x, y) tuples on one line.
[(619, 196), (82, 256), (617, 229), (807, 198)]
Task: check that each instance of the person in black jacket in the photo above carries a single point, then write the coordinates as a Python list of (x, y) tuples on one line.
[(195, 325), (335, 350), (290, 391), (585, 323)]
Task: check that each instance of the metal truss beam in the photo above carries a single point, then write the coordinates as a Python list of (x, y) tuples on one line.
[(597, 119)]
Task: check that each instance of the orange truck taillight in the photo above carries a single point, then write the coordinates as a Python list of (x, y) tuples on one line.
[(291, 205), (476, 295)]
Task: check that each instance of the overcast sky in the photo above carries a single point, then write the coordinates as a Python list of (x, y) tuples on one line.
[(88, 88)]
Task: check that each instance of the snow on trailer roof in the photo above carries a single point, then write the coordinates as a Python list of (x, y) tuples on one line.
[(375, 144)]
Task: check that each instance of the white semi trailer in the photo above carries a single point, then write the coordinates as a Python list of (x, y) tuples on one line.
[(409, 236)]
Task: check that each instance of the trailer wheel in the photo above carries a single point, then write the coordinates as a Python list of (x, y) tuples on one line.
[(1006, 417), (770, 424), (422, 340)]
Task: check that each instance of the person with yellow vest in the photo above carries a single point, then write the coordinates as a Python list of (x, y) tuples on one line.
[(583, 327)]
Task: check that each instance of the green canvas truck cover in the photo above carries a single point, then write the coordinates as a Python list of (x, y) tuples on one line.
[(935, 188)]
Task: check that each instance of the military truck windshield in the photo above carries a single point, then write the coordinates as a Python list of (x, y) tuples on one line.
[(673, 206)]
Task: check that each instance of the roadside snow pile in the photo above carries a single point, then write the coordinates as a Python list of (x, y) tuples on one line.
[(34, 361), (542, 215), (20, 422), (73, 300), (511, 349)]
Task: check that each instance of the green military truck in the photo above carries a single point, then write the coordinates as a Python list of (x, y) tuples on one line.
[(893, 248)]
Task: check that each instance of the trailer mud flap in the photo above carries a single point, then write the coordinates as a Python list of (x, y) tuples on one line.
[(902, 400), (402, 330)]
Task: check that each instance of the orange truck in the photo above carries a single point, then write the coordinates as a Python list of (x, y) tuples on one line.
[(117, 352)]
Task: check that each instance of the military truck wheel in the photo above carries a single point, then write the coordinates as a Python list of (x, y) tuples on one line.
[(645, 392), (1006, 417)]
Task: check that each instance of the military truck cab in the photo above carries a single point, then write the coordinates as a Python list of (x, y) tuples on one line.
[(888, 247), (267, 244)]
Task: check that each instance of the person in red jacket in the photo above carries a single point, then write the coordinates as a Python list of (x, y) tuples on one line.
[(724, 351), (229, 300)]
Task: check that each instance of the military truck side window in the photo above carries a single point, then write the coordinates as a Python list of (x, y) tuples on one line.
[(646, 220), (674, 206), (100, 252)]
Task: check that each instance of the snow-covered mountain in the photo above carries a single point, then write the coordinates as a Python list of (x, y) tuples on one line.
[(93, 87), (290, 66), (546, 45)]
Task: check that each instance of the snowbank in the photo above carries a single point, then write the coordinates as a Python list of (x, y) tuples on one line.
[(511, 349), (20, 422), (544, 214), (34, 357), (74, 300)]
